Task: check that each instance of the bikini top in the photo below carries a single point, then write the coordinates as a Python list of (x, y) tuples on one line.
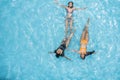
[(69, 11), (62, 46)]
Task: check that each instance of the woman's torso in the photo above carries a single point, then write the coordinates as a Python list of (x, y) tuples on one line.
[(69, 12)]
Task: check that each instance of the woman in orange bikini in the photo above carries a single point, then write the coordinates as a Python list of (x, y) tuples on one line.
[(69, 19), (83, 43)]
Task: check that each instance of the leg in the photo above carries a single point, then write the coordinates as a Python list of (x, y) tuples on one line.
[(85, 32), (71, 25), (86, 36), (66, 28), (86, 26), (83, 35), (69, 38), (64, 41)]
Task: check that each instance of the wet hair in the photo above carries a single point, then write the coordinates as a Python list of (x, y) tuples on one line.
[(82, 57), (57, 55), (69, 3)]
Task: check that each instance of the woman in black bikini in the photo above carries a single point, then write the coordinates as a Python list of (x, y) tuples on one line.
[(69, 20), (60, 50)]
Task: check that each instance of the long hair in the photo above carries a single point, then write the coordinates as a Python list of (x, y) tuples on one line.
[(69, 3)]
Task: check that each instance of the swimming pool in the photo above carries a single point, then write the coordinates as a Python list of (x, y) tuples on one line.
[(30, 29)]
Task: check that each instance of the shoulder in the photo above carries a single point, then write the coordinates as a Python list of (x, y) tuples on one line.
[(66, 7), (73, 8)]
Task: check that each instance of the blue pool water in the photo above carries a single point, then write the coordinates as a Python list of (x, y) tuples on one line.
[(29, 29)]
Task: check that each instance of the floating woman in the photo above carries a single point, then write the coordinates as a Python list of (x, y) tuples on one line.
[(83, 43), (64, 44), (69, 19)]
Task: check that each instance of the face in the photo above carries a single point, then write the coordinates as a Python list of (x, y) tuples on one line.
[(70, 4), (59, 51), (82, 56)]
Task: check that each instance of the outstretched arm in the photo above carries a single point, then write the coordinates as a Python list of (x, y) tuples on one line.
[(80, 8), (51, 52), (63, 55), (56, 1), (73, 50), (67, 58)]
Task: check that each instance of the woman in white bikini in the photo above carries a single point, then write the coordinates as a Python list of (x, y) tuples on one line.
[(69, 20)]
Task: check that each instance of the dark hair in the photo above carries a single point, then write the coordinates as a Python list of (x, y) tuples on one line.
[(69, 3), (82, 57), (57, 55)]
